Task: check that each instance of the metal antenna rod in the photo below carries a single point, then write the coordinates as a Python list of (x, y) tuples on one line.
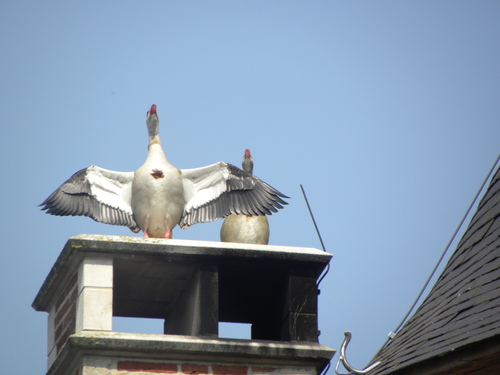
[(319, 235), (312, 217)]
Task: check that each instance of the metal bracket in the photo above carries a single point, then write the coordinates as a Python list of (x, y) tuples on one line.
[(342, 359)]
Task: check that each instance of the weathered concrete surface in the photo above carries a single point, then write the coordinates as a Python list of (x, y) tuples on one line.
[(146, 249), (129, 346)]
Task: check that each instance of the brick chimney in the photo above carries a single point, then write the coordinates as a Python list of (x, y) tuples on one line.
[(192, 286)]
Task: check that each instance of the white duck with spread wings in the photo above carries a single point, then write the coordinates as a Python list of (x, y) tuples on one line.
[(158, 196)]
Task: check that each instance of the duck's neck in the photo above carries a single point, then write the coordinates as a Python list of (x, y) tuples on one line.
[(153, 134), (153, 131), (155, 141), (247, 165), (155, 150), (154, 145)]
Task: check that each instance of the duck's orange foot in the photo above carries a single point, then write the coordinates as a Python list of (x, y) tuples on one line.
[(168, 234)]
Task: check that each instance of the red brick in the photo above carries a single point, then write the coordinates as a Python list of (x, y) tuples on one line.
[(188, 368), (67, 289), (64, 336), (262, 370), (70, 316), (73, 294), (229, 370), (59, 331), (60, 300), (71, 283), (64, 308), (165, 368), (66, 313)]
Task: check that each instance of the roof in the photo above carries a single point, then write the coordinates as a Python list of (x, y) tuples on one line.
[(463, 308)]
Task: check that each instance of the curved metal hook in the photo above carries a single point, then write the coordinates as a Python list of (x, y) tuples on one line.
[(343, 359)]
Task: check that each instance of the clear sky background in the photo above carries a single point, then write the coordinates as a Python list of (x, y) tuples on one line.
[(387, 112)]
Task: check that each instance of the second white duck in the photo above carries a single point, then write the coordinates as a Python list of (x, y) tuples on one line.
[(245, 228)]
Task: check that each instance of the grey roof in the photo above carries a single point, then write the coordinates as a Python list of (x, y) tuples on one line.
[(463, 307)]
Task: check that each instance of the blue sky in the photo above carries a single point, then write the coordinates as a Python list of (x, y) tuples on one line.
[(387, 112)]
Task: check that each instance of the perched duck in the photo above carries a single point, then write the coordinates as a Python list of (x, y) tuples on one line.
[(245, 228), (158, 196)]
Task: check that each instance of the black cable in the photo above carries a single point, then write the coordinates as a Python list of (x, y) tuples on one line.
[(325, 370), (442, 256)]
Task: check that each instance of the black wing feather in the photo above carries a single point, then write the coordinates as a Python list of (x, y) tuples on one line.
[(74, 198), (245, 194)]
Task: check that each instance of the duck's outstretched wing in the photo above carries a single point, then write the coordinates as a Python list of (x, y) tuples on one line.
[(98, 193), (220, 189)]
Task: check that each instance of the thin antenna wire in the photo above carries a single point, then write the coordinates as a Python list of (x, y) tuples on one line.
[(317, 231), (312, 217), (392, 334)]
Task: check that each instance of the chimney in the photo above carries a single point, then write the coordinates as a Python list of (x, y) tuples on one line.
[(192, 286)]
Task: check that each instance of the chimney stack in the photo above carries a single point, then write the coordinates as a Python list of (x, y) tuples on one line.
[(192, 286)]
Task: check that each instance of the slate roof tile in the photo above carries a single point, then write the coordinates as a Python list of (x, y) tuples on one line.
[(463, 307)]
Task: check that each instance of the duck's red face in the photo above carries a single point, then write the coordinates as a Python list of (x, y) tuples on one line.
[(152, 110)]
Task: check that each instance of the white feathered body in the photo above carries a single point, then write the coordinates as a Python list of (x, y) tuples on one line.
[(157, 194)]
